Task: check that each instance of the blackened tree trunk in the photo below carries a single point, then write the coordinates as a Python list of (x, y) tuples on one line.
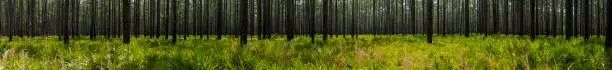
[(534, 19), (260, 18), (608, 44), (413, 14), (94, 18), (290, 19), (2, 32), (325, 19), (311, 19), (482, 16), (66, 24), (136, 18), (374, 18), (174, 23), (156, 16), (243, 20), (186, 19), (220, 19), (31, 19), (569, 19), (11, 19), (609, 29), (495, 16), (587, 20), (267, 19), (467, 18), (554, 17), (353, 23), (429, 19), (126, 21)]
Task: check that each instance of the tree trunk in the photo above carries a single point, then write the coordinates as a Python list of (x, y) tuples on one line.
[(126, 21), (174, 23), (587, 20), (325, 19), (94, 18), (534, 19), (243, 20), (554, 17), (467, 18), (429, 19), (11, 19), (609, 29), (66, 25), (136, 18), (569, 18), (186, 19), (312, 18), (414, 18), (220, 18), (290, 19)]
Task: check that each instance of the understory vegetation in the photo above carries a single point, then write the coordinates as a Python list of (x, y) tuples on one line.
[(371, 52)]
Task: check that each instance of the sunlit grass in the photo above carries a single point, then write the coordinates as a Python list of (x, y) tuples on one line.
[(506, 52)]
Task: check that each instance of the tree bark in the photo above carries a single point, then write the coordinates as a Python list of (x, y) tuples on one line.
[(94, 18), (569, 18), (467, 18), (175, 22), (429, 19), (534, 19), (243, 20), (325, 19), (220, 18), (126, 21), (587, 20), (290, 19)]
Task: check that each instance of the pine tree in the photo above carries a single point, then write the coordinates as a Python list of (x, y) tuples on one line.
[(94, 18), (587, 20), (220, 18), (429, 19), (243, 21), (467, 18), (290, 19), (126, 21), (174, 23), (325, 19)]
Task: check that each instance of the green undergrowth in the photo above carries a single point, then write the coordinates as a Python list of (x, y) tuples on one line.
[(370, 52)]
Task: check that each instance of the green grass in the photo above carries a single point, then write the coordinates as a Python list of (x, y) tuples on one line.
[(505, 52)]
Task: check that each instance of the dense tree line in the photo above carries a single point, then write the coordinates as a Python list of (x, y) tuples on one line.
[(264, 19)]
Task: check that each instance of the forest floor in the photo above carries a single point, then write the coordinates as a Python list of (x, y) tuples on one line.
[(449, 52)]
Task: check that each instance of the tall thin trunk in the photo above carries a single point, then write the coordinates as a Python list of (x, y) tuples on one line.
[(243, 20), (414, 18), (534, 20), (609, 29), (66, 25), (374, 18), (175, 22), (325, 19), (220, 18), (467, 18), (587, 20), (11, 19), (495, 16), (312, 19), (94, 18), (429, 19), (569, 18), (186, 19), (290, 19), (136, 18), (554, 17), (126, 21)]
